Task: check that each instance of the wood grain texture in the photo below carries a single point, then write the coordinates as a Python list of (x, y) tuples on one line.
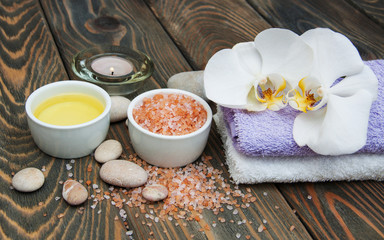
[(180, 36), (374, 9), (80, 25), (165, 53), (328, 221), (339, 16), (28, 60), (201, 28), (339, 210)]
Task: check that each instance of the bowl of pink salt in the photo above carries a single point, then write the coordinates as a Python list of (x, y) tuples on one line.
[(169, 127)]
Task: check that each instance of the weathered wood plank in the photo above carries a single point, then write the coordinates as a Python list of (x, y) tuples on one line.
[(138, 28), (339, 210), (340, 16), (201, 28), (332, 213), (374, 9), (28, 60)]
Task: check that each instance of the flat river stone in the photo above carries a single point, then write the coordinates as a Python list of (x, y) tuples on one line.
[(123, 173), (28, 179), (119, 107), (108, 150), (192, 81), (155, 192), (74, 193)]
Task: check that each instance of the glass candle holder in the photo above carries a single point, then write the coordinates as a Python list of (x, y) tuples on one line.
[(118, 70)]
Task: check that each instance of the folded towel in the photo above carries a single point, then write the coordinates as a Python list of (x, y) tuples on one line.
[(269, 133), (246, 169)]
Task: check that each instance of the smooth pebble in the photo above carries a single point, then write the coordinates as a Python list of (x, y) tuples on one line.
[(74, 192), (123, 173), (192, 81), (119, 107), (155, 192), (108, 150), (28, 179)]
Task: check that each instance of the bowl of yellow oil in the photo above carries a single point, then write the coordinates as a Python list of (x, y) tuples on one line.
[(68, 119)]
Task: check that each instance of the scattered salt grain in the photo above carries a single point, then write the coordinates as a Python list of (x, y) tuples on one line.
[(264, 221), (57, 198), (235, 212), (70, 175), (265, 193), (309, 197), (129, 233), (72, 160), (260, 228), (68, 166), (94, 186), (238, 235)]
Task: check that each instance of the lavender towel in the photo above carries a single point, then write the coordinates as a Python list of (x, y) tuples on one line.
[(269, 133), (318, 168)]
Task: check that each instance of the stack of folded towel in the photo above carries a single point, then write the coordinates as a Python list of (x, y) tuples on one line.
[(259, 146)]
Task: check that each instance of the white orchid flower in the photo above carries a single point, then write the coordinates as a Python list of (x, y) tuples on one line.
[(257, 75), (338, 112)]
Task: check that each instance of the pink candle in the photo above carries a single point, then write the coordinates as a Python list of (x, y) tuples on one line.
[(112, 66)]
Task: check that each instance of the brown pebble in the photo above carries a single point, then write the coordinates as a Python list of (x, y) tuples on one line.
[(155, 192), (28, 179), (123, 173), (119, 107), (108, 150), (74, 193)]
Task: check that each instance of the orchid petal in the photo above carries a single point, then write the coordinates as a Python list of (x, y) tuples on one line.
[(350, 85), (340, 128), (307, 95), (225, 80), (285, 53), (335, 55), (253, 104), (248, 56)]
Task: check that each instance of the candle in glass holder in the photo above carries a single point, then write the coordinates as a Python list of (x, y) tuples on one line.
[(112, 66)]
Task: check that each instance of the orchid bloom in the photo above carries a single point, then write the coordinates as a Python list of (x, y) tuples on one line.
[(257, 75), (338, 112)]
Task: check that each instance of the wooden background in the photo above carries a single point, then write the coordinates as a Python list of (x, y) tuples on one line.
[(37, 42)]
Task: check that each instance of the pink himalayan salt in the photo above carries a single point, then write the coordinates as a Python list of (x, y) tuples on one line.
[(170, 114)]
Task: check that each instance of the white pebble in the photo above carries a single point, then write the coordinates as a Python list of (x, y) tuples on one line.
[(108, 150), (28, 180), (119, 107), (155, 192), (189, 81), (74, 193), (123, 173)]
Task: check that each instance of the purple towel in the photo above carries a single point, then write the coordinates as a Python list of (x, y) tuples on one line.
[(269, 133)]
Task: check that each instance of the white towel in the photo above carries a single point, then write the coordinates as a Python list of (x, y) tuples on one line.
[(244, 169)]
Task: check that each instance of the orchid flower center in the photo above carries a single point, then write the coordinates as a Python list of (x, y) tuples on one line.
[(271, 92), (306, 96)]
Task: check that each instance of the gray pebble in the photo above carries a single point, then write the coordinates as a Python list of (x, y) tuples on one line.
[(28, 179), (192, 81), (108, 150), (123, 173), (74, 193), (155, 192), (119, 107)]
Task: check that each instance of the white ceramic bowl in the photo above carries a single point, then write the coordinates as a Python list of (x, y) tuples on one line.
[(68, 141), (168, 151)]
